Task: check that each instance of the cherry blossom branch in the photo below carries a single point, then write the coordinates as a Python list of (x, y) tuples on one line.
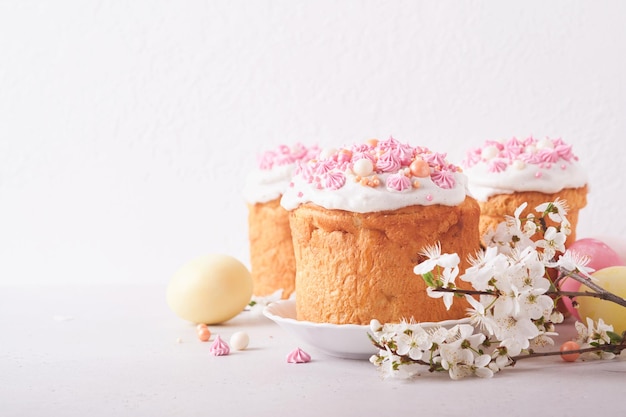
[(600, 292), (616, 349)]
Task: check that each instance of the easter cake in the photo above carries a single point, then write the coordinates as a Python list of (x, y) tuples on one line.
[(361, 217), (272, 262), (504, 174)]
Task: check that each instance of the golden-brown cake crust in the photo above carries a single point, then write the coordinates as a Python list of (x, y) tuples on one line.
[(353, 267), (492, 211), (272, 260)]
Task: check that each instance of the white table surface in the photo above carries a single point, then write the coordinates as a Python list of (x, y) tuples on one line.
[(115, 351)]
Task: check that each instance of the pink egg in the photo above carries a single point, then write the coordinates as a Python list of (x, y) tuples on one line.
[(600, 256)]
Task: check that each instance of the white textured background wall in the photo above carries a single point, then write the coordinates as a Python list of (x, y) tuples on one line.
[(126, 128)]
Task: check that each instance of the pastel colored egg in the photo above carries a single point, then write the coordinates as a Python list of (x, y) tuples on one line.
[(600, 256), (210, 289), (617, 243), (612, 279)]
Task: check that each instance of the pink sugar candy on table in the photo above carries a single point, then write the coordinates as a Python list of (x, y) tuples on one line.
[(219, 347), (298, 356)]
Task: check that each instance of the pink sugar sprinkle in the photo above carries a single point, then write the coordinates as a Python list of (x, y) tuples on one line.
[(538, 174), (563, 166), (300, 194), (335, 180), (398, 182), (497, 165), (429, 197)]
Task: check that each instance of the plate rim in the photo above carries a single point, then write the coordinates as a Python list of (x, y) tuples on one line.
[(273, 316)]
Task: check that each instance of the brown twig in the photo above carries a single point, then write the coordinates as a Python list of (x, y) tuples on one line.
[(616, 349), (598, 291)]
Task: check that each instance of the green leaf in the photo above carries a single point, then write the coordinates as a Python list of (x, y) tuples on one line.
[(429, 279), (615, 337)]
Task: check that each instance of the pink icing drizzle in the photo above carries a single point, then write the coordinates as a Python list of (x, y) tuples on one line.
[(334, 180), (398, 182), (388, 157), (284, 155), (389, 162), (298, 356), (443, 179), (219, 347), (498, 165), (526, 151)]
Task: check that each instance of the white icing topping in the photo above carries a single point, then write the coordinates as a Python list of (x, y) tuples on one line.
[(364, 199), (332, 182), (545, 165), (267, 185), (274, 172)]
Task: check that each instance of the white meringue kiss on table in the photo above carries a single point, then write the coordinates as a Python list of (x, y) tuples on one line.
[(347, 341)]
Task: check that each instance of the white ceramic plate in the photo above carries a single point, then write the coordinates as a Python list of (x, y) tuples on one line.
[(349, 341)]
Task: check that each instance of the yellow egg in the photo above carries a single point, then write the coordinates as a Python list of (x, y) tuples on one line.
[(210, 289), (612, 279)]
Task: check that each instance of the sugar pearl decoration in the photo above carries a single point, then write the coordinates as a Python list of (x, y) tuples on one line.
[(327, 152), (239, 340), (363, 167), (419, 168), (517, 164), (545, 144), (489, 152)]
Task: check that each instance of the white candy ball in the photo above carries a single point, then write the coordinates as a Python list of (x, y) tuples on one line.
[(363, 167), (545, 144), (239, 340), (327, 153), (489, 152), (517, 164)]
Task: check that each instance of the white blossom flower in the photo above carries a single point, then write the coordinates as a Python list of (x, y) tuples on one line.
[(566, 227), (375, 326), (500, 358), (536, 305), (513, 331), (556, 210), (575, 262), (530, 227), (484, 266), (553, 241), (543, 340), (447, 278), (594, 333), (508, 236), (461, 362), (413, 342), (388, 363), (556, 317), (438, 335), (478, 315), (600, 331), (436, 258), (508, 302), (475, 366)]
